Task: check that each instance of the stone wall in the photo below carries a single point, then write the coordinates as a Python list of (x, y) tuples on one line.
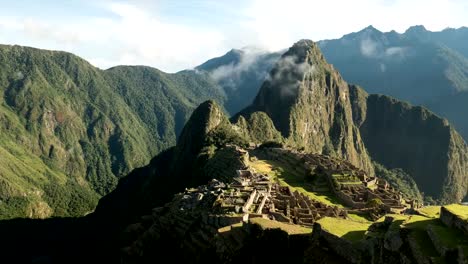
[(340, 246), (452, 220)]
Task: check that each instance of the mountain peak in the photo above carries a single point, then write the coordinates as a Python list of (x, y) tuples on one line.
[(304, 50), (307, 100), (371, 28), (416, 29)]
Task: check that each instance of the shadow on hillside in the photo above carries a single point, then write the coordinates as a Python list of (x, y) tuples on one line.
[(354, 236), (55, 240)]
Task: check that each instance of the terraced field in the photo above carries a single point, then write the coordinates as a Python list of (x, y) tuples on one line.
[(294, 177)]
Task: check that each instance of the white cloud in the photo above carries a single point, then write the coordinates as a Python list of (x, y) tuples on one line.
[(278, 23), (368, 47), (136, 31), (395, 51), (132, 36)]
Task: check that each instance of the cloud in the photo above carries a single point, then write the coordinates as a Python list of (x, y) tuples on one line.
[(131, 36), (383, 68), (288, 73), (42, 31), (377, 49), (250, 61), (368, 47), (396, 51), (278, 23), (144, 32)]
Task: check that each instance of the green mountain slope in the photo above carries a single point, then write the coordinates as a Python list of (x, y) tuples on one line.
[(69, 130)]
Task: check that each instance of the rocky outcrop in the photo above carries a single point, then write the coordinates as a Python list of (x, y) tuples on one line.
[(453, 220), (309, 104), (424, 145)]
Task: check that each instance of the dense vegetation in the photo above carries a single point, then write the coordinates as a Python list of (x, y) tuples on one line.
[(68, 130), (400, 180)]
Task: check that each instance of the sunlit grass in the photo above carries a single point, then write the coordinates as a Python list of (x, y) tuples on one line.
[(459, 210), (289, 228), (430, 211), (348, 229), (285, 175)]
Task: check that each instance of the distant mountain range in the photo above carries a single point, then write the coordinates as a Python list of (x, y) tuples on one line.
[(419, 66), (422, 67)]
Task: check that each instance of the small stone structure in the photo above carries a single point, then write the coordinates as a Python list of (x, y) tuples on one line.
[(252, 194), (350, 184)]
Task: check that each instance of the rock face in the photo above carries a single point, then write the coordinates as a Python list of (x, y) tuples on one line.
[(308, 102), (424, 145), (314, 108)]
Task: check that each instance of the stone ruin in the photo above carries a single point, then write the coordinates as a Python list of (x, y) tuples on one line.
[(350, 184), (252, 195), (298, 208)]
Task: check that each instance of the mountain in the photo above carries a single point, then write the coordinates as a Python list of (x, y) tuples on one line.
[(414, 139), (454, 39), (314, 109), (307, 100), (240, 73), (69, 131), (216, 197), (422, 67), (419, 66)]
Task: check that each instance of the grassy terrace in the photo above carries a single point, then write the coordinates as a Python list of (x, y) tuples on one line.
[(418, 225), (430, 211), (449, 236), (286, 175), (350, 230), (289, 228), (459, 210)]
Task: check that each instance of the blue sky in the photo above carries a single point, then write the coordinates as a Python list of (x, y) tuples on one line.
[(175, 35)]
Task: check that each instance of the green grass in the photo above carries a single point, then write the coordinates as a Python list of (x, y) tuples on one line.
[(450, 237), (288, 176), (424, 242), (459, 210), (359, 218), (418, 222), (430, 211), (348, 229), (418, 225), (289, 228)]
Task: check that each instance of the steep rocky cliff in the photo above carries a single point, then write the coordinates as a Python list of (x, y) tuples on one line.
[(399, 135), (308, 102)]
